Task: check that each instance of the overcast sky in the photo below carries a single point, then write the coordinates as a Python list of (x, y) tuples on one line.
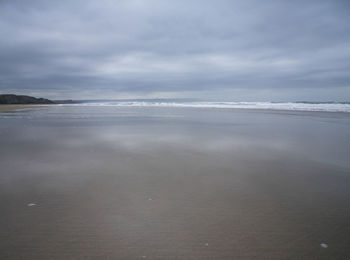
[(209, 49)]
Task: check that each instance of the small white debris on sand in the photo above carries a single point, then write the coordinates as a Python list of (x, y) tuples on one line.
[(143, 256), (31, 204), (206, 244), (323, 245), (150, 199)]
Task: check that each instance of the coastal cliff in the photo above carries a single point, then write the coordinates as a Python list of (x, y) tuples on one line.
[(20, 99)]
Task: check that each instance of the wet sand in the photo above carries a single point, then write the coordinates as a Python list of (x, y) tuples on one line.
[(132, 183)]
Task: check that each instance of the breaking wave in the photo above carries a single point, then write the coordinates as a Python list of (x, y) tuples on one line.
[(292, 106)]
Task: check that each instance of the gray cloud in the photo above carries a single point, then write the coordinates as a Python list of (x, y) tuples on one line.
[(134, 48)]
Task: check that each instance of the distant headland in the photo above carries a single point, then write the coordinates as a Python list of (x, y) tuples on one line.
[(12, 99)]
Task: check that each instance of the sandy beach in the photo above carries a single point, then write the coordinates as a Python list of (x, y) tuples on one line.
[(175, 130), (6, 108), (114, 183)]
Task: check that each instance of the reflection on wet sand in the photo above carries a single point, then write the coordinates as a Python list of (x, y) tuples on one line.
[(174, 184)]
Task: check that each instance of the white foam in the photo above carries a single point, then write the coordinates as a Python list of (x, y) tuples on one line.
[(291, 106), (323, 245)]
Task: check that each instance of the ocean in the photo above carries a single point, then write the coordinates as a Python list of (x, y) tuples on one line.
[(292, 106)]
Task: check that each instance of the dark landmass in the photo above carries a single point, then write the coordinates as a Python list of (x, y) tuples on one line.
[(10, 99)]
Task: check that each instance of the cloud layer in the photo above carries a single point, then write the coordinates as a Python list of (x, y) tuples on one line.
[(249, 49)]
